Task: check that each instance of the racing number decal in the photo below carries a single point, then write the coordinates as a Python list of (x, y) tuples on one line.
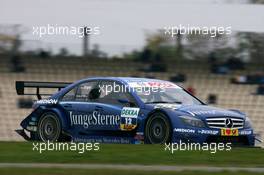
[(129, 118), (128, 121)]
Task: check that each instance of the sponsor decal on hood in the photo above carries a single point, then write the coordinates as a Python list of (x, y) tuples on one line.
[(168, 106)]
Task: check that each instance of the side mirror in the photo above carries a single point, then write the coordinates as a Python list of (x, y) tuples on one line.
[(126, 101), (123, 100)]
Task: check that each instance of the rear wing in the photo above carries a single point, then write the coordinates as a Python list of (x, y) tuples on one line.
[(22, 85)]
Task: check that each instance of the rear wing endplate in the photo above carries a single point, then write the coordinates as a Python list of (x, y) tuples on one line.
[(22, 85)]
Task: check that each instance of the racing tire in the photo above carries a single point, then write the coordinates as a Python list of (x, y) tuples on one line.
[(49, 127), (158, 129)]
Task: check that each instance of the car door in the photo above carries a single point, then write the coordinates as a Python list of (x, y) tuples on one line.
[(112, 111), (79, 106)]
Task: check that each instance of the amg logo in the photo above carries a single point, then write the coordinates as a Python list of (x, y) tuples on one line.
[(94, 119)]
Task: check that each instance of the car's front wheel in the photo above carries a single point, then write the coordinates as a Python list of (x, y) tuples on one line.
[(158, 129), (49, 127)]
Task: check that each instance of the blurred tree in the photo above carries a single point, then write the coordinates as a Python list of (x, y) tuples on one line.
[(154, 41), (257, 1), (63, 52), (158, 43), (251, 46), (257, 47), (6, 42), (97, 53), (192, 46), (243, 45), (199, 46)]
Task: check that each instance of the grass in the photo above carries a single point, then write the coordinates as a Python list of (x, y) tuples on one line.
[(21, 152), (58, 171)]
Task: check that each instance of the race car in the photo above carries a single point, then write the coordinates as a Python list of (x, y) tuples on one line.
[(128, 110)]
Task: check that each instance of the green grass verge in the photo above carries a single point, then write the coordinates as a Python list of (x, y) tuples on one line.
[(21, 152), (58, 171)]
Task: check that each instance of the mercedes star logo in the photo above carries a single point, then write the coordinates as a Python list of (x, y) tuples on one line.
[(228, 123)]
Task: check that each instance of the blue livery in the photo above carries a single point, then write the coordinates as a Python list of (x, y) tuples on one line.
[(129, 110)]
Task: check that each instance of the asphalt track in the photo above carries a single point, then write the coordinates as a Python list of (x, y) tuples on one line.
[(131, 167)]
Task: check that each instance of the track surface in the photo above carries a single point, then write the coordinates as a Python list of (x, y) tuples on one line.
[(129, 167)]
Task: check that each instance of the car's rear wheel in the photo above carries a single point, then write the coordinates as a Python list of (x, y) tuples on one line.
[(158, 129), (49, 127)]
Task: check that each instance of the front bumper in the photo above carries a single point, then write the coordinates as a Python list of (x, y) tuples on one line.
[(243, 137)]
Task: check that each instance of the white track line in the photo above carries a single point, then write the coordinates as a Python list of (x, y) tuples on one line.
[(129, 167)]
